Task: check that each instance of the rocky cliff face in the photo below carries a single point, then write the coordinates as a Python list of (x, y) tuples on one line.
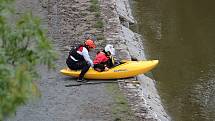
[(143, 97)]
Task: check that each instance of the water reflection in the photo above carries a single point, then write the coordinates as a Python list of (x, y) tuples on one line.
[(181, 34)]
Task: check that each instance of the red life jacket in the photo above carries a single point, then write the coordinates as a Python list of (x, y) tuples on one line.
[(100, 57)]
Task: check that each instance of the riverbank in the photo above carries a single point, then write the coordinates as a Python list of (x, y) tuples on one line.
[(67, 20), (143, 97)]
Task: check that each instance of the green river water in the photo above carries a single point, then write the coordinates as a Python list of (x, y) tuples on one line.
[(181, 34)]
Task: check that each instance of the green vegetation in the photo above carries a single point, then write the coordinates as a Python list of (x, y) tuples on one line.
[(23, 45), (97, 14), (120, 109), (94, 8), (99, 24), (94, 1)]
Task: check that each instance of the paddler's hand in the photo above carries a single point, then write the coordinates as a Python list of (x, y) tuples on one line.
[(106, 68)]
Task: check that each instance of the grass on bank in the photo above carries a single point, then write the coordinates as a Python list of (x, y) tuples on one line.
[(94, 7), (94, 1), (99, 24), (120, 109), (97, 14)]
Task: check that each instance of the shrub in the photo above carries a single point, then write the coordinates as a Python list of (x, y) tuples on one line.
[(23, 45)]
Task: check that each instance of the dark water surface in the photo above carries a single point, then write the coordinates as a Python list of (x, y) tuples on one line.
[(181, 34)]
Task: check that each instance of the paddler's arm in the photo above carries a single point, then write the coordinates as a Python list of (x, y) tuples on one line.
[(86, 56)]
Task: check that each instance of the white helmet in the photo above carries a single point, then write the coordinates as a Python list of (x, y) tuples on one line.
[(109, 48)]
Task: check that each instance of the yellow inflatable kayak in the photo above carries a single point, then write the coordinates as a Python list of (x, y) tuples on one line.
[(125, 70)]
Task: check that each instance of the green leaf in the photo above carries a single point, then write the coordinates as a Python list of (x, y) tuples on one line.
[(24, 45)]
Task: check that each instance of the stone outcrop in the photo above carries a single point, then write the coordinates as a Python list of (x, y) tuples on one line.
[(143, 97)]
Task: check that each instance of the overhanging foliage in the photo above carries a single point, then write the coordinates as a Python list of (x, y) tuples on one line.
[(23, 45)]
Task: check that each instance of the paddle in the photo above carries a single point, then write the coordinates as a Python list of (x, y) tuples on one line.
[(91, 83)]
